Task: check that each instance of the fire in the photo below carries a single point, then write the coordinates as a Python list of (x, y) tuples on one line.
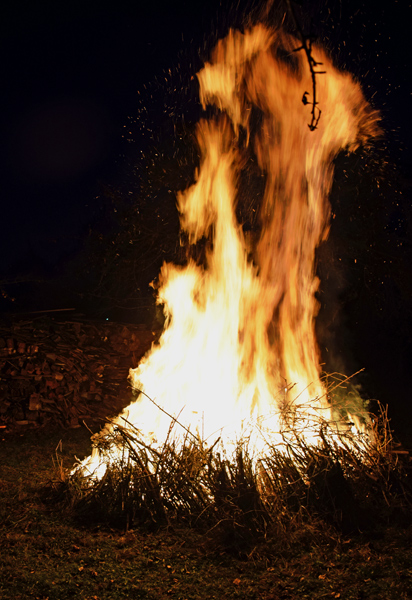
[(239, 352)]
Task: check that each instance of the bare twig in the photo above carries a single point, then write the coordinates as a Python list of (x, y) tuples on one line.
[(174, 419), (306, 46)]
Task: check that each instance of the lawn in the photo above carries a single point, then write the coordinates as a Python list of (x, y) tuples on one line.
[(47, 554)]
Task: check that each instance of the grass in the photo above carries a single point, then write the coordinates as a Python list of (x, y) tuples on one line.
[(48, 554)]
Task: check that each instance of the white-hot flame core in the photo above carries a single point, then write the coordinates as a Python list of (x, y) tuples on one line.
[(239, 344)]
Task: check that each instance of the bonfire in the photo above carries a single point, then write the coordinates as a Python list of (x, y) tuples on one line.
[(232, 409)]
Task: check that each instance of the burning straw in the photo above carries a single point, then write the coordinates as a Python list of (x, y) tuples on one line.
[(344, 482)]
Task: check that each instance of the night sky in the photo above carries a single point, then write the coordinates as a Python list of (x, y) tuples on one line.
[(73, 72), (75, 75)]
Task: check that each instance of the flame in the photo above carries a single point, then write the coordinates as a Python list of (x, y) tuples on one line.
[(239, 346)]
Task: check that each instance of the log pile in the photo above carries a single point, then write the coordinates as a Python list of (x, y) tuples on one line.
[(66, 371)]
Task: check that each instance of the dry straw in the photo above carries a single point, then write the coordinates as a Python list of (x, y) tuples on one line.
[(345, 482)]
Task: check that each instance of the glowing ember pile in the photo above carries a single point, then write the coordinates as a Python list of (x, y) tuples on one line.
[(238, 355)]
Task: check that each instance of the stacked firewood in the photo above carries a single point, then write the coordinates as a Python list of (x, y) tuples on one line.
[(66, 371)]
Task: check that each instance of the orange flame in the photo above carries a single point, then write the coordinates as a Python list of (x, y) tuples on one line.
[(239, 342)]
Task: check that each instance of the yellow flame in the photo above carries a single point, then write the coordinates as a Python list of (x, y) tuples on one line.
[(239, 344)]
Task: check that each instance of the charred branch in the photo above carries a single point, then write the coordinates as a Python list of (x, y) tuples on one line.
[(307, 41)]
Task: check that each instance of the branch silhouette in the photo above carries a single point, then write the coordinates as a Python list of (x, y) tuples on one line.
[(307, 41)]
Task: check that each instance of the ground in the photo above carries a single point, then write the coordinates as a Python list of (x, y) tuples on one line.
[(47, 555)]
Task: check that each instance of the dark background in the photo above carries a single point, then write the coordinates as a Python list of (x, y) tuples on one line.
[(98, 106)]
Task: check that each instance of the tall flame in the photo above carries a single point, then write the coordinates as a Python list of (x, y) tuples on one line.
[(239, 342)]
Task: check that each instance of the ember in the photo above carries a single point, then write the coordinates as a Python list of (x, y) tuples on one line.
[(238, 358)]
